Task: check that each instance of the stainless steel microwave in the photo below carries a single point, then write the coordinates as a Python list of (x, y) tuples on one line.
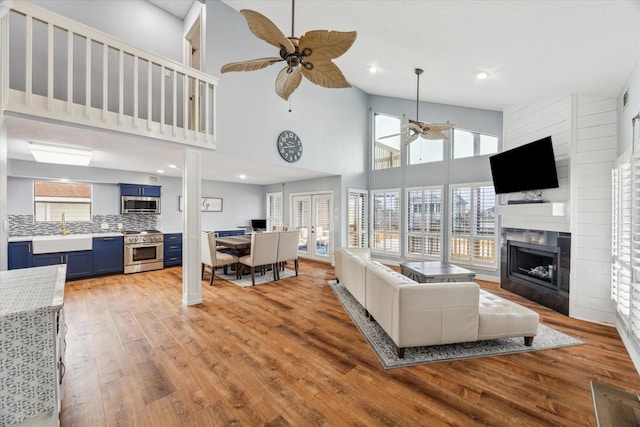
[(137, 204)]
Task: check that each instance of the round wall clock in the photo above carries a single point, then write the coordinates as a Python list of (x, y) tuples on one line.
[(289, 146)]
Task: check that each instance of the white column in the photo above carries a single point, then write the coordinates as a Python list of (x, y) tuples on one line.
[(191, 228), (4, 217)]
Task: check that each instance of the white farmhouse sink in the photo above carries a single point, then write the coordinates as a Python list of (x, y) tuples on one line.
[(60, 243)]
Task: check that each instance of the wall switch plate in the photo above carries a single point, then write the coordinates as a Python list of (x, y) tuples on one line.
[(104, 226)]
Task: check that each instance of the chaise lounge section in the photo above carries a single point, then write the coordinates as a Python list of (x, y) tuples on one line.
[(422, 314)]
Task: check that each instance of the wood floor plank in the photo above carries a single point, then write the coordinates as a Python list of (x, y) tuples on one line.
[(287, 354)]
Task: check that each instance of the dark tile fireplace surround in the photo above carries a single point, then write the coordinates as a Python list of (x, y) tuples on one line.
[(536, 265)]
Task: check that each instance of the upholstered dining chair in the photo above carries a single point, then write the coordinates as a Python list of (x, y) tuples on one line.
[(213, 259), (264, 250), (287, 249)]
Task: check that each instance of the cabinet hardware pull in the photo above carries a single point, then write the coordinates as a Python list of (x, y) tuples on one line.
[(29, 248), (107, 238)]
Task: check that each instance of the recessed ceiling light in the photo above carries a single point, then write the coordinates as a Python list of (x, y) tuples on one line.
[(172, 166), (482, 75), (243, 176), (45, 153), (160, 171), (373, 69)]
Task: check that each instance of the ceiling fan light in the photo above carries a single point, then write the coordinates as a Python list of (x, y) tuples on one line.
[(44, 153)]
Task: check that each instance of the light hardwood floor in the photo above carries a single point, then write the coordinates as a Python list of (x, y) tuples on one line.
[(287, 354)]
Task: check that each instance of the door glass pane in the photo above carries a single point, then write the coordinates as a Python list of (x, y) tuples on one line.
[(301, 221), (322, 226)]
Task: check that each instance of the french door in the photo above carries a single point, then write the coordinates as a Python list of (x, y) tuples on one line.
[(311, 214)]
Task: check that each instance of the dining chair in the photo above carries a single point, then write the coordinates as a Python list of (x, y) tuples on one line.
[(287, 249), (213, 259), (264, 250)]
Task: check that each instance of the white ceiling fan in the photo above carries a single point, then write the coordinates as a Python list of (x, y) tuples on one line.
[(417, 129)]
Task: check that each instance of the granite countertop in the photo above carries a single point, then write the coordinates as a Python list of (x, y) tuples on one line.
[(29, 289), (28, 238)]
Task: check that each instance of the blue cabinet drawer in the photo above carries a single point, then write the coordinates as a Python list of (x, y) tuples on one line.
[(172, 249)]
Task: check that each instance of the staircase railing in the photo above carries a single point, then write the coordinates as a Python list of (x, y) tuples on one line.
[(59, 69)]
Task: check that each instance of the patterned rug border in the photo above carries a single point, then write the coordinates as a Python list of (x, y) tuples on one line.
[(245, 282), (384, 348)]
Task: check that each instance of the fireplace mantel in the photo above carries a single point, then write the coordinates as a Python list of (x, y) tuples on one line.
[(537, 216)]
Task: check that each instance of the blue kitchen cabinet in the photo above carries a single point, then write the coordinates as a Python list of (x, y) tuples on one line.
[(140, 190), (20, 255), (172, 249), (108, 255), (79, 263)]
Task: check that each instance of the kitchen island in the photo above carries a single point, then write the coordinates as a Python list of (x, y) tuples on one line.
[(32, 343)]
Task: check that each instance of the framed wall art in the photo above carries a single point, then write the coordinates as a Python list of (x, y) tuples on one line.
[(207, 204)]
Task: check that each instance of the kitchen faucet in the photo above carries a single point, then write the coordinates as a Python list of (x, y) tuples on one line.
[(63, 226)]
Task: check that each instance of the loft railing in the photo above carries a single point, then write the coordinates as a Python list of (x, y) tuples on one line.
[(56, 68)]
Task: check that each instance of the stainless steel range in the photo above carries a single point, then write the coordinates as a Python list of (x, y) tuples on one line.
[(143, 251)]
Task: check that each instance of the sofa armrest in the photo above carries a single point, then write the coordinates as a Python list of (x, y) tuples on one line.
[(435, 313)]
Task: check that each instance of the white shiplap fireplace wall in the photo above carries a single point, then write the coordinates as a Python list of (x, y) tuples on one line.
[(583, 130)]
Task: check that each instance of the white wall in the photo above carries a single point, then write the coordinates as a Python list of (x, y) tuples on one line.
[(583, 130), (592, 158), (136, 22)]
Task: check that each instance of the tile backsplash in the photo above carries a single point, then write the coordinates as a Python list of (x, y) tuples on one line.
[(23, 225)]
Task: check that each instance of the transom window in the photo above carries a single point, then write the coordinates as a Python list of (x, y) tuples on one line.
[(386, 151), (466, 143), (426, 151), (53, 199)]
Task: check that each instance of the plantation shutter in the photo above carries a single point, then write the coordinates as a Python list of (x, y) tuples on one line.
[(358, 218), (473, 225), (485, 224), (424, 229), (386, 222), (274, 210)]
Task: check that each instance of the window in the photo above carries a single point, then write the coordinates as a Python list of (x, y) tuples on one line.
[(358, 218), (424, 222), (386, 152), (426, 151), (473, 225), (53, 199), (274, 210), (386, 222), (469, 144)]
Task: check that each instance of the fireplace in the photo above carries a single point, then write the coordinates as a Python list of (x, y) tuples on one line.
[(536, 265)]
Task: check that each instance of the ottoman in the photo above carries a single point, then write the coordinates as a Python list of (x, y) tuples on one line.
[(501, 318)]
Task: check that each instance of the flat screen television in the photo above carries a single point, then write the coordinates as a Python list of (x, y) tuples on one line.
[(526, 168), (259, 224)]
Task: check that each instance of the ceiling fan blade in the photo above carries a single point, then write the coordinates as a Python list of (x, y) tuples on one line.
[(439, 127), (286, 82), (413, 126), (391, 136), (252, 65), (410, 139), (434, 135), (325, 74), (326, 45), (266, 30)]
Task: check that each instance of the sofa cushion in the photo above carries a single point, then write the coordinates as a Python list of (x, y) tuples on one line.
[(501, 318)]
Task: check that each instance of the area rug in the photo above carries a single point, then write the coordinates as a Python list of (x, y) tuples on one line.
[(385, 349), (245, 282)]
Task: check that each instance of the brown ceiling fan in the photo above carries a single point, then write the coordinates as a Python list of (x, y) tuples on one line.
[(417, 129), (309, 55)]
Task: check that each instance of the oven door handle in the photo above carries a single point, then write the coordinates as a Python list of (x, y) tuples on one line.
[(142, 245)]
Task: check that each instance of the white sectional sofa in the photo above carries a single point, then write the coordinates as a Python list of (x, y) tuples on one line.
[(421, 314)]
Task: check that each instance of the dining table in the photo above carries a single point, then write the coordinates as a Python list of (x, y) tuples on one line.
[(240, 243)]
